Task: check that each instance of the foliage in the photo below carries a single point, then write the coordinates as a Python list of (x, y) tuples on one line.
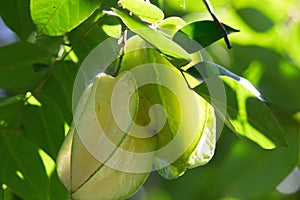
[(38, 71)]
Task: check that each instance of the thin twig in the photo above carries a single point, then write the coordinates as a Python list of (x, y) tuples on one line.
[(219, 24), (188, 84), (122, 51)]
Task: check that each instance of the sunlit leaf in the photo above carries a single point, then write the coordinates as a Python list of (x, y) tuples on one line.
[(46, 120), (205, 70), (247, 115), (171, 49), (180, 7), (281, 76), (112, 30), (16, 69), (26, 130), (145, 11), (171, 25), (203, 32), (21, 168), (56, 17), (88, 35), (16, 15)]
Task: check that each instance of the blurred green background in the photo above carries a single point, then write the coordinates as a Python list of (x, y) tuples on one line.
[(266, 51)]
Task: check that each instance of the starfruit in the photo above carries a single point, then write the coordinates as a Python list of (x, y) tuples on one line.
[(188, 136), (89, 167)]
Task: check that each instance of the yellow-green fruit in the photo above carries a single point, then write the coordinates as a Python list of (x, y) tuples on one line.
[(90, 166), (186, 117)]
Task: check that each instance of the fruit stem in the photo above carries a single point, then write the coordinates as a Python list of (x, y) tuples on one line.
[(122, 43)]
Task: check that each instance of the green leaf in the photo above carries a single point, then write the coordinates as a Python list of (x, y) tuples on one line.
[(39, 120), (16, 69), (21, 168), (1, 192), (168, 47), (111, 26), (246, 114), (183, 7), (57, 189), (57, 17), (257, 20), (59, 88), (37, 67), (144, 10), (279, 77), (44, 125), (238, 169), (51, 44), (26, 130), (87, 35), (205, 70), (203, 32), (268, 167), (171, 25), (16, 15), (11, 100)]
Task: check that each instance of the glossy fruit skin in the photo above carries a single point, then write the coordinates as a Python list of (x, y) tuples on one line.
[(87, 177), (188, 116)]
